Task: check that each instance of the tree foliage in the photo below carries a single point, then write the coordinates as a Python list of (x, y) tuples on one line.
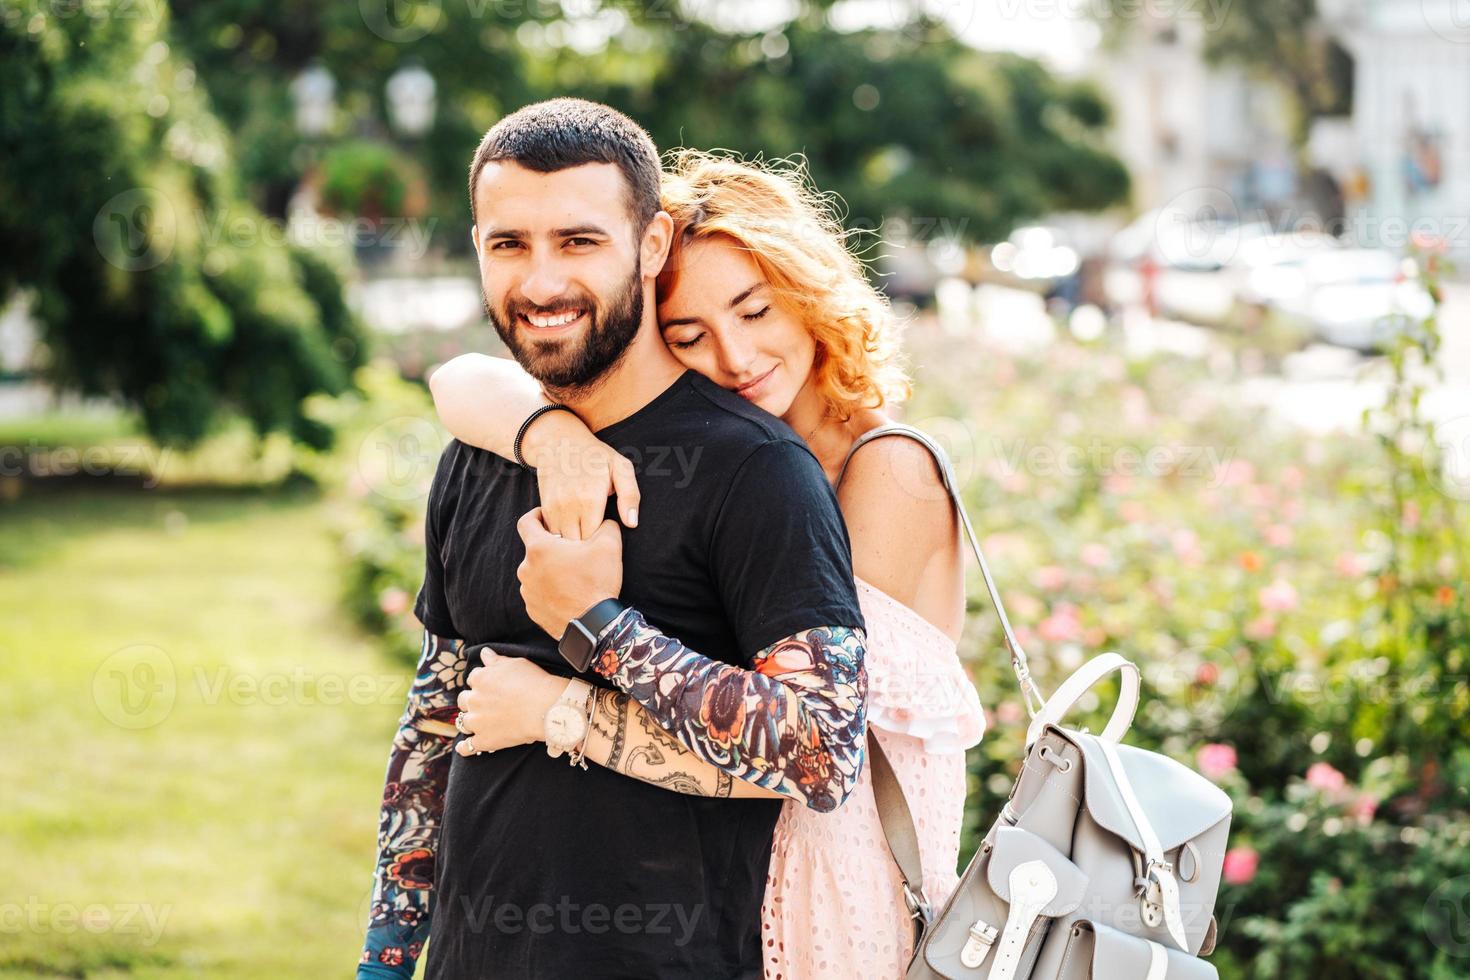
[(154, 279)]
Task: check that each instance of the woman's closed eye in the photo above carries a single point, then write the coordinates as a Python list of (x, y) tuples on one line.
[(686, 344), (752, 317)]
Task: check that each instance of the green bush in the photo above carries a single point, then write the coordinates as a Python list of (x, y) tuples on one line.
[(156, 281)]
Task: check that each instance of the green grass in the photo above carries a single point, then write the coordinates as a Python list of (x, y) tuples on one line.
[(184, 792)]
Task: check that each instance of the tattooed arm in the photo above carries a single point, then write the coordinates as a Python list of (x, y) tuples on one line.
[(413, 804), (793, 724)]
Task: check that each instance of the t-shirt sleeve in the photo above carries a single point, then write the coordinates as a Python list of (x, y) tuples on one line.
[(432, 606), (780, 552)]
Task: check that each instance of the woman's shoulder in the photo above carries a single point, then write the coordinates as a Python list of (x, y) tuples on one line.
[(897, 472)]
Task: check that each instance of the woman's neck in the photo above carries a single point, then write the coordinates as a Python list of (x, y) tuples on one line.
[(828, 437)]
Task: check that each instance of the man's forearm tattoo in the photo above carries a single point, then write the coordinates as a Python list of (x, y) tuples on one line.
[(637, 747), (793, 724), (413, 805)]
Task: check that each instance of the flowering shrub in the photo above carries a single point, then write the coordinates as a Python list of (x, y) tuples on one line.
[(1296, 603)]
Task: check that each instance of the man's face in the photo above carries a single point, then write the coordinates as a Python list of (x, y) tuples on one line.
[(559, 268)]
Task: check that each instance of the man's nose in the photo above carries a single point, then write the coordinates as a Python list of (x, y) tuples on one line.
[(545, 282)]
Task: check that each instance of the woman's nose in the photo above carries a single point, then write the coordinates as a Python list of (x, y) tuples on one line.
[(736, 353)]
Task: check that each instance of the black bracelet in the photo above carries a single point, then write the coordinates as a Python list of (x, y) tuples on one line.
[(515, 448)]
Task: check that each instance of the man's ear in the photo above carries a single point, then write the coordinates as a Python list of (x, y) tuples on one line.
[(654, 249), (475, 239)]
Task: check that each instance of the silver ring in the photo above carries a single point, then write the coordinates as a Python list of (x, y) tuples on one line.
[(459, 723)]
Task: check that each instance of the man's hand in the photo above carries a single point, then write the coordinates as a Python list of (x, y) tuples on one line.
[(561, 579)]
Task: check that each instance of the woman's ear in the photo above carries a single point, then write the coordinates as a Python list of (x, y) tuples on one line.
[(654, 249)]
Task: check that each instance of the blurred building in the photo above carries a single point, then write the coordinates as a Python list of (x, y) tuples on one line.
[(1183, 126), (1403, 157)]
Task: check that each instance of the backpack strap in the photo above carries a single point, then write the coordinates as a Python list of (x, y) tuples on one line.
[(1030, 693), (893, 809)]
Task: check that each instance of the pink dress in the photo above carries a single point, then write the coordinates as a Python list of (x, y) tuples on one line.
[(834, 901)]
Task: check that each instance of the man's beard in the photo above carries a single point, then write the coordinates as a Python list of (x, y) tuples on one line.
[(571, 364)]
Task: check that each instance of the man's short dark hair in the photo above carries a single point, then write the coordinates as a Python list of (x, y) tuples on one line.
[(561, 133)]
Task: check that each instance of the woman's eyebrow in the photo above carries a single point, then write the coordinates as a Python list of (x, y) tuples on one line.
[(745, 294), (742, 297)]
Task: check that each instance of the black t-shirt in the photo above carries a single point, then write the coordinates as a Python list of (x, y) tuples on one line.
[(544, 870)]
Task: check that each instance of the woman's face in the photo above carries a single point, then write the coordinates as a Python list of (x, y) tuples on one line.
[(722, 320)]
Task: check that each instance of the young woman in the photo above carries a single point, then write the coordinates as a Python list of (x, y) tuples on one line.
[(761, 294)]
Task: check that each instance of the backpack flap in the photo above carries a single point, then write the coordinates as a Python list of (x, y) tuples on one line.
[(1172, 818), (1098, 952)]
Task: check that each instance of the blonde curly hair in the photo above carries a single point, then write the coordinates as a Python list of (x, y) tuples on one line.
[(793, 233)]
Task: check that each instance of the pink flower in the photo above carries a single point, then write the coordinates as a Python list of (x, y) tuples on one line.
[(1279, 536), (1096, 555), (1186, 545), (1132, 511), (1263, 627), (393, 601), (1216, 760), (1050, 577), (1062, 626), (1351, 564), (1363, 808), (1279, 596), (1009, 712), (1240, 865), (1238, 472), (1323, 777), (1411, 514)]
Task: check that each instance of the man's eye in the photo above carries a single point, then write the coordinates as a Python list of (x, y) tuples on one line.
[(752, 317), (686, 344), (505, 243), (580, 242)]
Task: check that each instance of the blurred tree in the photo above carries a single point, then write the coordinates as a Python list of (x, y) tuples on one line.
[(900, 120), (155, 280)]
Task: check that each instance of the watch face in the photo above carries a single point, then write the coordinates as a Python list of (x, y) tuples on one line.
[(565, 725)]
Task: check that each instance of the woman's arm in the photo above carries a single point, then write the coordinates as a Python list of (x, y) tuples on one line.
[(483, 401)]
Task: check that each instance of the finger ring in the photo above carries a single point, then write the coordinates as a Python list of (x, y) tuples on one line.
[(459, 723)]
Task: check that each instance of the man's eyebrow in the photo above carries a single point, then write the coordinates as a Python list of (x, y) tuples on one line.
[(505, 233), (580, 230)]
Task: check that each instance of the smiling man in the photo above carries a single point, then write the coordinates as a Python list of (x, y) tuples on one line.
[(734, 621)]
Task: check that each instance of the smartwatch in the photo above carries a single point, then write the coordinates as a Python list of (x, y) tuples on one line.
[(582, 634)]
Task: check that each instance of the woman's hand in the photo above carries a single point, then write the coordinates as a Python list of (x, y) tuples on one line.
[(505, 702), (576, 473)]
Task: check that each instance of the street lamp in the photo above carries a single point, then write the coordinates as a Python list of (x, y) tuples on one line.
[(313, 91), (411, 101)]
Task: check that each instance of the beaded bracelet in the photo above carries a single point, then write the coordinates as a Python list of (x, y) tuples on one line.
[(521, 433)]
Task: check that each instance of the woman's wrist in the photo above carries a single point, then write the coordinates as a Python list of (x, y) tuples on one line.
[(547, 435)]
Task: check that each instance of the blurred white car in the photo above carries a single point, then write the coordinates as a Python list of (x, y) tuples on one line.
[(1357, 297)]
